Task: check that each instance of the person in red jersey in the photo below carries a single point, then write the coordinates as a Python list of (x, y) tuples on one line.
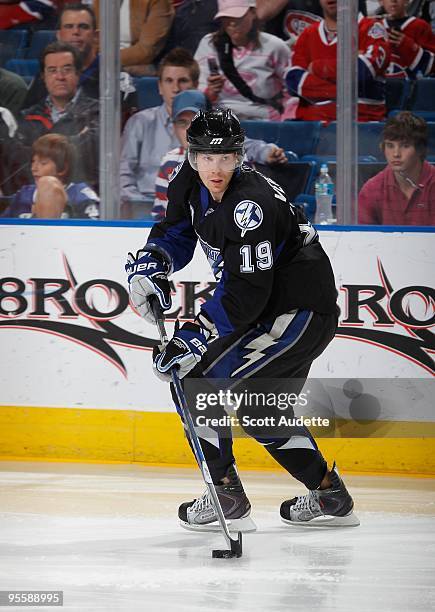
[(313, 75), (412, 41)]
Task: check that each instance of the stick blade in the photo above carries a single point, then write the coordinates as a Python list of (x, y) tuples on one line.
[(234, 551), (223, 554)]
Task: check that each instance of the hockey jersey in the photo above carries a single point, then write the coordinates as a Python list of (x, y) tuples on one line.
[(290, 23), (313, 75), (83, 202), (170, 161), (264, 263), (18, 13), (415, 54)]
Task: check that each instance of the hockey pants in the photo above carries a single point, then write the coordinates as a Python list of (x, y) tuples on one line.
[(273, 358)]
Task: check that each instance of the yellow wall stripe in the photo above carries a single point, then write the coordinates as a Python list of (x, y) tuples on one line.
[(157, 437)]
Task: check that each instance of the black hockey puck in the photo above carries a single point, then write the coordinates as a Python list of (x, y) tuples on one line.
[(223, 554), (234, 551)]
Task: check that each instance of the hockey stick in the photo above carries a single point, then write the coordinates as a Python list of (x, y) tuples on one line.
[(235, 549)]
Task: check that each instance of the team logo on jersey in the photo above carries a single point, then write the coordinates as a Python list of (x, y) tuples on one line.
[(248, 216), (378, 31), (89, 193), (175, 171), (295, 22)]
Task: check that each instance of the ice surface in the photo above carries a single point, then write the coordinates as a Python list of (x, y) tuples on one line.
[(108, 536)]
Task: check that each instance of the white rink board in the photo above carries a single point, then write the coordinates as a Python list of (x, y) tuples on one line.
[(45, 367)]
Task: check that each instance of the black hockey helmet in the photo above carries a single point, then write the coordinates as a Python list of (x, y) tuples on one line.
[(215, 131)]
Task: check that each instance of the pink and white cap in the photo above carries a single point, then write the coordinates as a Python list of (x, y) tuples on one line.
[(234, 8)]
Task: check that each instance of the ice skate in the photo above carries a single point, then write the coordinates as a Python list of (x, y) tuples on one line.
[(200, 515), (322, 508)]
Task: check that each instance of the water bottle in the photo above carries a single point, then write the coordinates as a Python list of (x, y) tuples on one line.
[(324, 190)]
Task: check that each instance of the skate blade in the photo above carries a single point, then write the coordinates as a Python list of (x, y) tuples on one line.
[(245, 525), (349, 520)]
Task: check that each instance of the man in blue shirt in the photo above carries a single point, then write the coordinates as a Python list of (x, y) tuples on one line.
[(66, 110)]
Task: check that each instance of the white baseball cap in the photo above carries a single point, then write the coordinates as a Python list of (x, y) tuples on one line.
[(234, 8)]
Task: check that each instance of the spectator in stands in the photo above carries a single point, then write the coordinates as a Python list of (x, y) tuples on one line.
[(193, 20), (51, 195), (144, 26), (288, 18), (13, 91), (313, 74), (185, 106), (65, 110), (149, 134), (78, 26), (412, 41), (243, 68), (24, 15), (404, 192)]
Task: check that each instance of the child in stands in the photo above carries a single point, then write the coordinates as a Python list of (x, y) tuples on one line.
[(52, 196)]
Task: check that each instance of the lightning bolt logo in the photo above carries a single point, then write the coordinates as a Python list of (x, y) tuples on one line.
[(259, 346), (248, 215), (258, 349)]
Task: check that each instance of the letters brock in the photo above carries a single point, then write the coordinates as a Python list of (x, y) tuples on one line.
[(391, 322)]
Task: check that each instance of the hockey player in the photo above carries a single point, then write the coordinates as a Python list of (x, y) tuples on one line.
[(313, 75), (272, 313)]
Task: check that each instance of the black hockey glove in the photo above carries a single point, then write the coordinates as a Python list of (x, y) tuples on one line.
[(183, 352)]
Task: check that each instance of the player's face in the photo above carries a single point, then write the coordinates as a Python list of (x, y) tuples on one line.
[(181, 125), (395, 9), (173, 80), (60, 75), (77, 30), (43, 166), (216, 171), (401, 156), (238, 29), (329, 8)]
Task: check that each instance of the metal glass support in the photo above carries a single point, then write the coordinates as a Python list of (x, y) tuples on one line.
[(110, 109), (347, 98)]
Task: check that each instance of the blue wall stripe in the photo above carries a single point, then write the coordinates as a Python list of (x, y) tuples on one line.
[(405, 229)]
